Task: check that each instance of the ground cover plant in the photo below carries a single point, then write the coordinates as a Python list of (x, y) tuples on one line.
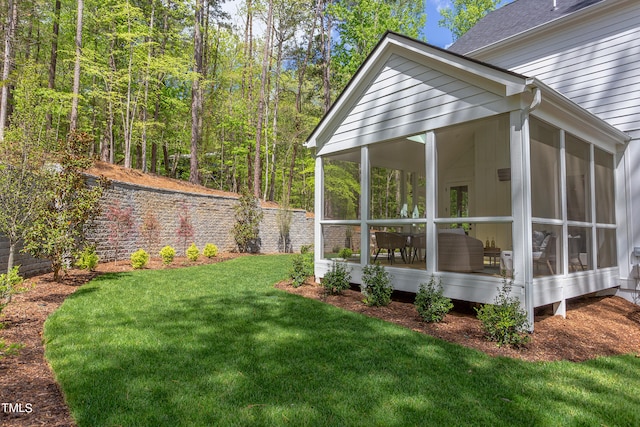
[(219, 345)]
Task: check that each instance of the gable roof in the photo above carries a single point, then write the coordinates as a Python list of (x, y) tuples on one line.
[(515, 18), (391, 43)]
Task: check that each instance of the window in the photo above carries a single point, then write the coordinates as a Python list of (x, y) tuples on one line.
[(342, 186), (545, 170)]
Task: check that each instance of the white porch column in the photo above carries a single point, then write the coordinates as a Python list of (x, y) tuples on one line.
[(431, 165), (365, 173), (318, 250), (521, 208)]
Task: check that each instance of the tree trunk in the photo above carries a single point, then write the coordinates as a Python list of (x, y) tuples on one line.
[(73, 121), (8, 60), (257, 163), (143, 137), (196, 92)]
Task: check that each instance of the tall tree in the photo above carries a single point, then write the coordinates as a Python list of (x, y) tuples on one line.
[(196, 91), (73, 121), (266, 51), (361, 24), (10, 29), (464, 14), (53, 60)]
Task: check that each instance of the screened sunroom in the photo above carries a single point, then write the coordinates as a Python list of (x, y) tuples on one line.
[(435, 165)]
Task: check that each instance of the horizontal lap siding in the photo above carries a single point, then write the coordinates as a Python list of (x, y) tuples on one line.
[(402, 97), (595, 65)]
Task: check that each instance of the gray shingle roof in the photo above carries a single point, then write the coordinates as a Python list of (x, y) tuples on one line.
[(514, 18)]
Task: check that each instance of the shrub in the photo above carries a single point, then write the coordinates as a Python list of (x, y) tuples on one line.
[(210, 250), (246, 230), (376, 287), (430, 303), (88, 259), (505, 321), (301, 269), (345, 253), (167, 254), (305, 249), (139, 259), (193, 252), (9, 283), (337, 279)]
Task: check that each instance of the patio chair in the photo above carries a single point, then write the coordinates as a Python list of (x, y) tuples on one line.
[(546, 255), (390, 242), (418, 242)]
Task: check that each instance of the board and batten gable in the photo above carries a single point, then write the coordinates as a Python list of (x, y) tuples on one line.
[(408, 93), (591, 57)]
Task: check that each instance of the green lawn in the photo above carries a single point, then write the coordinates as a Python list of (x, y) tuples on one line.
[(218, 345)]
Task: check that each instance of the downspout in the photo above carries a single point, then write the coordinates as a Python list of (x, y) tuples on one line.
[(528, 274)]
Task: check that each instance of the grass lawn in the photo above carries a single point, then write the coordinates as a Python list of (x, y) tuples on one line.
[(218, 345)]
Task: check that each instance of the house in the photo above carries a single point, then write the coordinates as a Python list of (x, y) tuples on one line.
[(515, 150)]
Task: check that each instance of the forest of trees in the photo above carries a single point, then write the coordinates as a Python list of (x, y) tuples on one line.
[(172, 87)]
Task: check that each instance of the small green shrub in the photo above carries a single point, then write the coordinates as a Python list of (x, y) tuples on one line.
[(210, 250), (345, 253), (430, 303), (301, 269), (9, 284), (167, 254), (337, 279), (88, 259), (376, 285), (193, 252), (305, 249), (139, 259), (505, 321)]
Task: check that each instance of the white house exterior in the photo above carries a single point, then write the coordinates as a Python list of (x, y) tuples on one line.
[(476, 151), (588, 50)]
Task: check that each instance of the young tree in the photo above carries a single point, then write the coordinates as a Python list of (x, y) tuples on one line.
[(464, 14), (22, 177), (120, 224), (58, 232)]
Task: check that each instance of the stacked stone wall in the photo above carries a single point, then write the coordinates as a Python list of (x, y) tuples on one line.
[(211, 216)]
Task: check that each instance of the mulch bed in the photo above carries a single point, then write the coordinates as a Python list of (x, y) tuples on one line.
[(594, 327)]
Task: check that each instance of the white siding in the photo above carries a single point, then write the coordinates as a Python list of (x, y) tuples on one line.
[(595, 63), (403, 97)]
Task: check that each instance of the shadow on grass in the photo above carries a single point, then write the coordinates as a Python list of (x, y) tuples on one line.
[(253, 355)]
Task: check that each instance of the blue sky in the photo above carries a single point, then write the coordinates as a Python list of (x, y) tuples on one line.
[(436, 35)]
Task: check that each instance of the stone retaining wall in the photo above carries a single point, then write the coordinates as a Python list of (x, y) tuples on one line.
[(211, 216)]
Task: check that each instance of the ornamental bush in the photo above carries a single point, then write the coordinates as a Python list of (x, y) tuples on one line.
[(430, 303), (337, 279), (345, 253), (139, 259), (88, 259), (167, 254), (210, 250), (376, 285), (302, 268), (193, 252), (505, 321), (9, 284)]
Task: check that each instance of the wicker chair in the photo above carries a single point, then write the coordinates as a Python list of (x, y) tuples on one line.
[(390, 242)]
